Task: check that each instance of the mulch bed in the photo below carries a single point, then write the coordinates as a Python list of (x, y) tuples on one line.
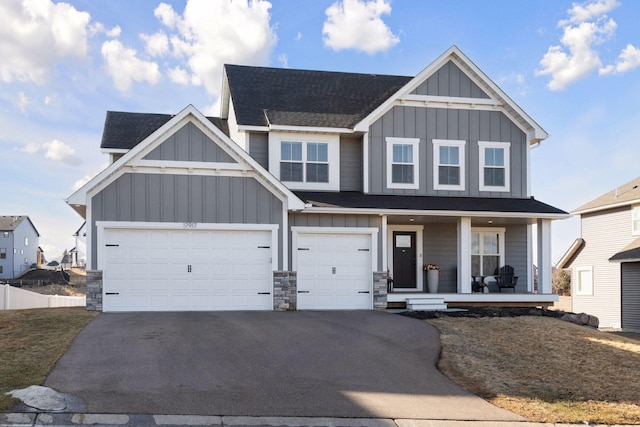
[(485, 312)]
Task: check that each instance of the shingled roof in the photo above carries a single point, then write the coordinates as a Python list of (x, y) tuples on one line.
[(626, 194), (11, 222), (124, 130), (265, 96), (356, 200)]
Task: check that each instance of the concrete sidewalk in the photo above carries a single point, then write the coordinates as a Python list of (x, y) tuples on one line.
[(60, 419)]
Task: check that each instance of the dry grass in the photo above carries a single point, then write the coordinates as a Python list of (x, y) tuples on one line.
[(544, 369), (31, 342)]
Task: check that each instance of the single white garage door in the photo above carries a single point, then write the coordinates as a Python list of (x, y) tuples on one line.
[(334, 271), (187, 270)]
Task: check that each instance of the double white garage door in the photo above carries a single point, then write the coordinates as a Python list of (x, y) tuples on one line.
[(191, 270)]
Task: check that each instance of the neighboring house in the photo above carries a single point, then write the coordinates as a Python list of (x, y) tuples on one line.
[(605, 260), (311, 187), (19, 248), (79, 251)]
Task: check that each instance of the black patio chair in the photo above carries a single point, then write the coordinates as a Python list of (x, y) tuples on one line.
[(505, 278)]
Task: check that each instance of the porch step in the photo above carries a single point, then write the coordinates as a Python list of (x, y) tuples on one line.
[(426, 304)]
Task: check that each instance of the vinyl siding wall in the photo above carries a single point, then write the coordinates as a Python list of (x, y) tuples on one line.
[(428, 124), (605, 234), (334, 220), (185, 198), (189, 144)]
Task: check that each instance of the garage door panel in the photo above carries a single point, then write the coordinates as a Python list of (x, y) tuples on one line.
[(155, 270)]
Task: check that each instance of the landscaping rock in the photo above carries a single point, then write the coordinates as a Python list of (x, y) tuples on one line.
[(43, 398), (582, 319)]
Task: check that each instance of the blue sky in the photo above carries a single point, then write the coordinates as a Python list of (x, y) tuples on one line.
[(572, 66)]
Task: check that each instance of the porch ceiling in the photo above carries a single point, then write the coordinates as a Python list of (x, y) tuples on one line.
[(409, 219)]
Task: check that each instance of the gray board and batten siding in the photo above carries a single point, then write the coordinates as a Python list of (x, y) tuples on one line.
[(185, 198), (338, 221), (259, 147), (630, 282), (190, 144), (350, 163), (454, 124)]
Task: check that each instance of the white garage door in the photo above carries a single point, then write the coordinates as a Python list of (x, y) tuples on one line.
[(187, 270), (334, 271)]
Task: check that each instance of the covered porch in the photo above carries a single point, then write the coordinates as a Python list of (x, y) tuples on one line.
[(467, 250)]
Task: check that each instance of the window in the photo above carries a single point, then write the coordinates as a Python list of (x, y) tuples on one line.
[(291, 161), (15, 251), (26, 241), (21, 251), (635, 220), (317, 162), (448, 167), (5, 234), (0, 269), (3, 253), (295, 167), (402, 162), (584, 281), (26, 260), (487, 251), (494, 166)]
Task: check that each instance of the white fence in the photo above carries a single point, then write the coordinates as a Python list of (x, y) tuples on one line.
[(12, 298)]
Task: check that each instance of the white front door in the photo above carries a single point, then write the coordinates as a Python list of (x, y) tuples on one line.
[(334, 271), (187, 270)]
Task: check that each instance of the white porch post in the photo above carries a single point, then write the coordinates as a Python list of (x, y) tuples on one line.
[(383, 230), (544, 256), (464, 256)]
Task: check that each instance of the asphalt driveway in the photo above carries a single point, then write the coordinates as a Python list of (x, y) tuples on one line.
[(305, 363)]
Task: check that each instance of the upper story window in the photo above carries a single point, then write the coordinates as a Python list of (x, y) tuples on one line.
[(3, 253), (26, 241), (305, 161), (494, 166), (402, 162), (487, 250), (448, 164), (635, 220), (5, 234)]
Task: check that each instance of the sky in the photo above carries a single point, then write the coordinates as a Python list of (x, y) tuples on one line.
[(574, 67)]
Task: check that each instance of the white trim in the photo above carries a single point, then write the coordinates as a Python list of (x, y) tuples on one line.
[(419, 230), (312, 129), (114, 150), (530, 274), (544, 256), (476, 214), (384, 230), (464, 256), (365, 163), (577, 291), (171, 164), (333, 153), (506, 146), (249, 128), (449, 102), (437, 143), (481, 298), (415, 162)]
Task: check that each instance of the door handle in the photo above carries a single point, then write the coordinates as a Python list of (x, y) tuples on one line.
[(303, 292), (112, 293), (264, 293), (363, 292)]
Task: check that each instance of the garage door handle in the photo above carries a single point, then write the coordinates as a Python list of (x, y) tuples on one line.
[(112, 293), (303, 292), (363, 292), (264, 293)]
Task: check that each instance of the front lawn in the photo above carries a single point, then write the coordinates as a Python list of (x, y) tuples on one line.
[(543, 368), (31, 342)]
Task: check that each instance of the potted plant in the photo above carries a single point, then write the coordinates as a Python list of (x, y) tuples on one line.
[(433, 277)]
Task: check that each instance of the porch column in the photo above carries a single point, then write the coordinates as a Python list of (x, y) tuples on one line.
[(464, 256), (383, 232), (544, 256)]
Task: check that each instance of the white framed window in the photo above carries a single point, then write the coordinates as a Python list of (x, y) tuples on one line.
[(305, 161), (487, 250), (584, 281), (26, 241), (5, 234), (403, 166), (494, 166), (3, 253), (635, 220), (448, 164)]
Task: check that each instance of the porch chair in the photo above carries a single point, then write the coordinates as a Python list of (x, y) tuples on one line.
[(505, 278)]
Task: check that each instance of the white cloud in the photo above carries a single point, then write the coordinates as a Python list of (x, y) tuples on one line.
[(357, 24), (210, 33), (82, 181), (22, 102), (629, 59), (588, 11), (114, 32), (125, 67), (36, 34), (284, 60), (54, 150), (98, 28), (179, 75), (299, 36), (157, 44)]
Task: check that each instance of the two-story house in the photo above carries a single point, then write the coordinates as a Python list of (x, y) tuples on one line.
[(319, 190), (19, 248), (605, 260)]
